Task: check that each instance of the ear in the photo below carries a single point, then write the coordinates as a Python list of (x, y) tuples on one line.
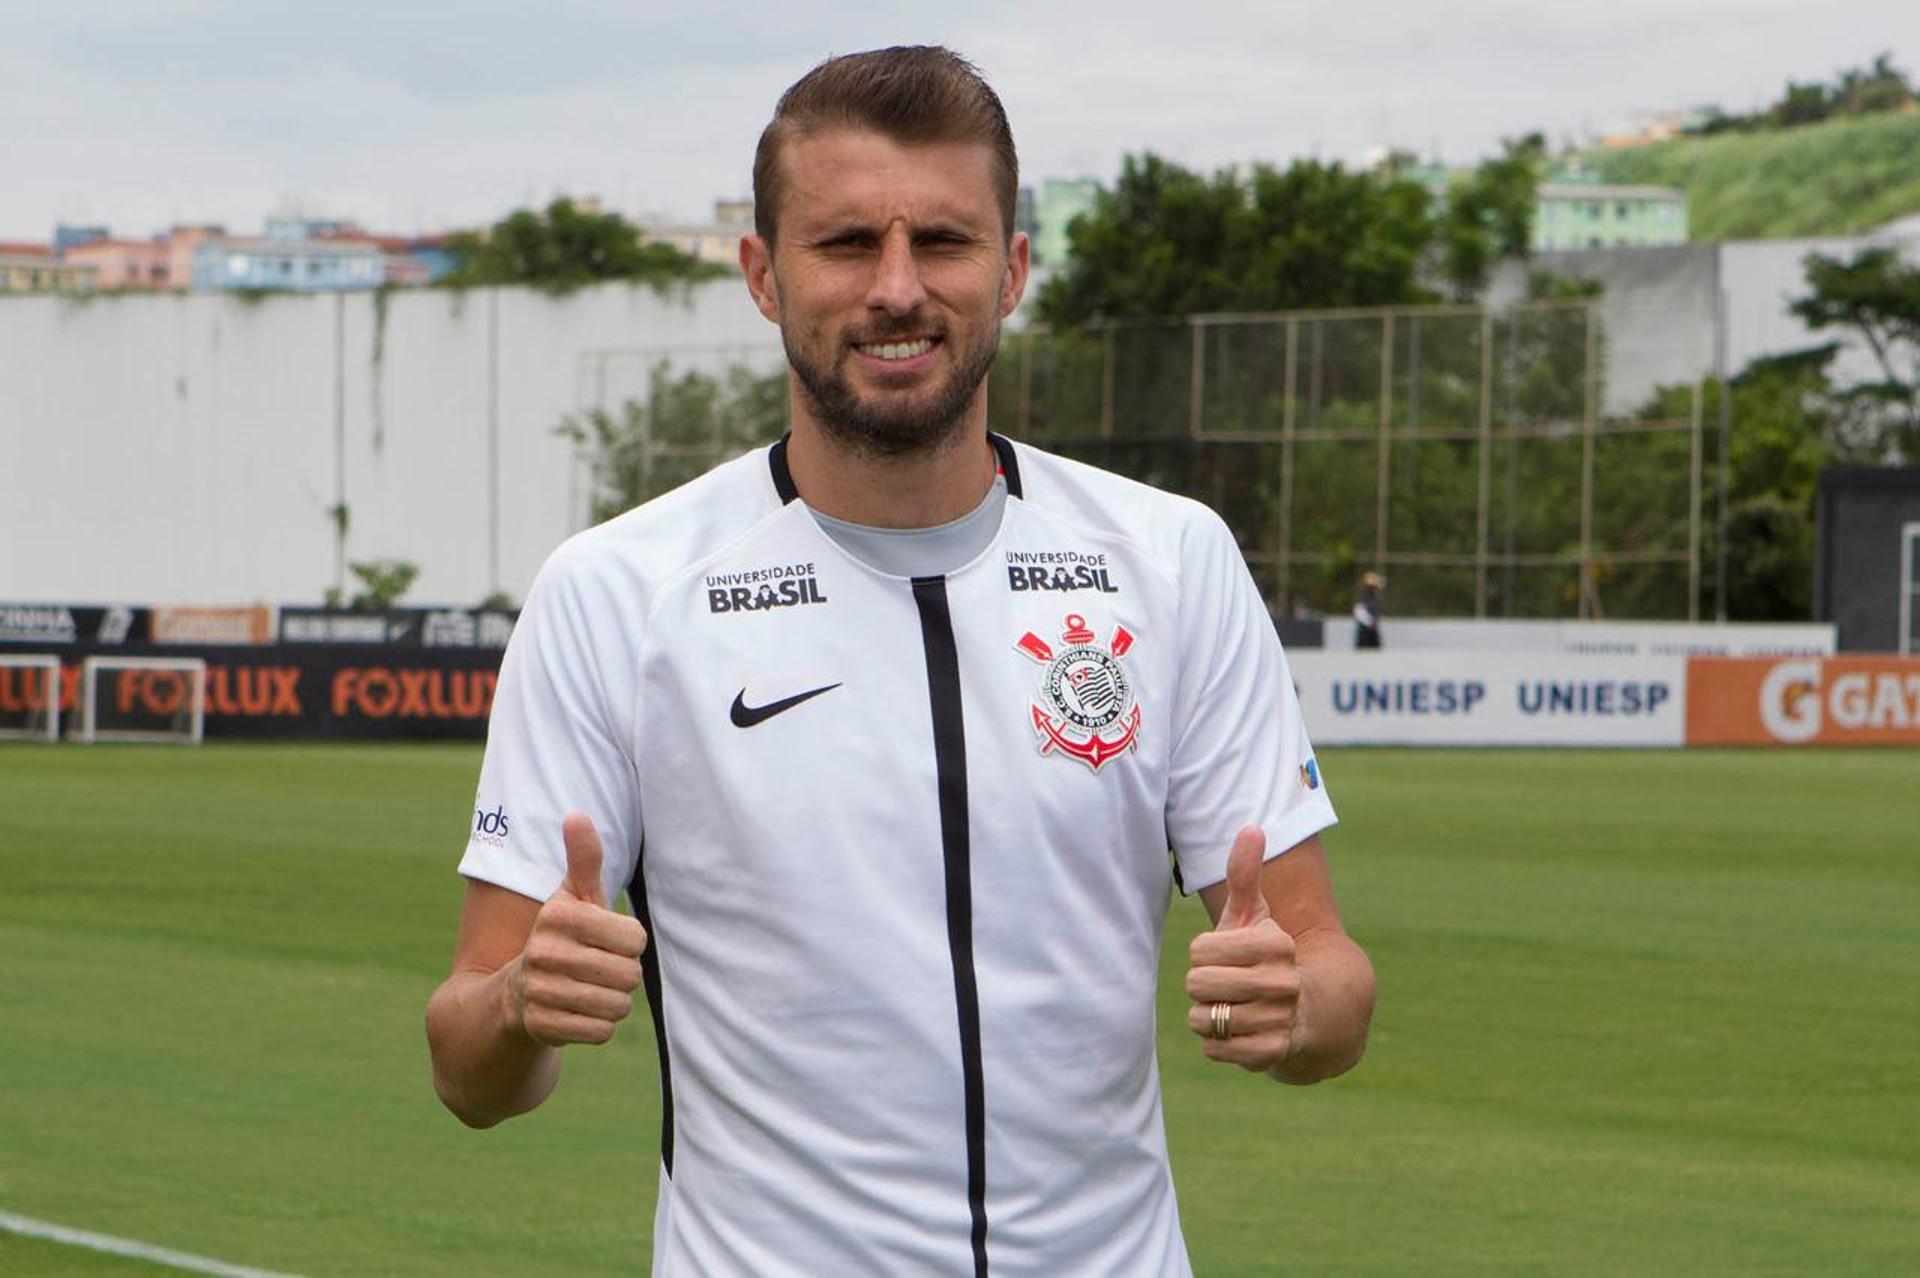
[(1014, 287), (756, 264)]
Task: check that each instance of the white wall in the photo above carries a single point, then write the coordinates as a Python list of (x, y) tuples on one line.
[(1659, 307), (181, 449)]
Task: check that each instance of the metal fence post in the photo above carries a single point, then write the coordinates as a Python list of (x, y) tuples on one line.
[(1386, 442), (1587, 587), (1486, 466), (1289, 398), (1693, 508)]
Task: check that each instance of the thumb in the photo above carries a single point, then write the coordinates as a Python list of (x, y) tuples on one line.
[(583, 859), (1246, 903)]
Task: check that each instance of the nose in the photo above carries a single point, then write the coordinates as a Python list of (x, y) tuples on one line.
[(896, 287)]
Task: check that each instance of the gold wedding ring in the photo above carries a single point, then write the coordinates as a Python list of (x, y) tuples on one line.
[(1223, 1020)]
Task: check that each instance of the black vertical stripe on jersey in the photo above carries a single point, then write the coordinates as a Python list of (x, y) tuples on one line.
[(650, 981), (950, 767), (782, 477), (1009, 463)]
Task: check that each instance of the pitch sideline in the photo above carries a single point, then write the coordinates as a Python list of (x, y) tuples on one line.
[(28, 1227)]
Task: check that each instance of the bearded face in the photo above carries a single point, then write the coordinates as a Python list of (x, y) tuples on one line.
[(915, 414), (890, 275)]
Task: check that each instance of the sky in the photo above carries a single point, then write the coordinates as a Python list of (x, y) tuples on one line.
[(410, 117)]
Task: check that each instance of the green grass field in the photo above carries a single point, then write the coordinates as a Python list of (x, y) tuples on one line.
[(1640, 1013)]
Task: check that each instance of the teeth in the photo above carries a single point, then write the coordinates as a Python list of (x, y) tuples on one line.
[(899, 350)]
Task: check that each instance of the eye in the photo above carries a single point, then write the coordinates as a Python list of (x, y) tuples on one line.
[(847, 243), (942, 241)]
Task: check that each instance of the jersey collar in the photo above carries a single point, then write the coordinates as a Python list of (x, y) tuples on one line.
[(783, 477)]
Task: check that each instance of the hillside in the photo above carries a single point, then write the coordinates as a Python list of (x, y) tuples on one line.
[(1834, 178)]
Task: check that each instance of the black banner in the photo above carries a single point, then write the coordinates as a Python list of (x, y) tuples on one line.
[(485, 628), (43, 627), (343, 691)]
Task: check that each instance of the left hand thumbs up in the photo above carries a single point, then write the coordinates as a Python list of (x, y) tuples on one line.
[(1242, 978)]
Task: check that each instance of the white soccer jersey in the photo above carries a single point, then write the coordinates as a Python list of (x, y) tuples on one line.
[(902, 849)]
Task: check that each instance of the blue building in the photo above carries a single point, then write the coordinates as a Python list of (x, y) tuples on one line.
[(296, 265), (66, 236)]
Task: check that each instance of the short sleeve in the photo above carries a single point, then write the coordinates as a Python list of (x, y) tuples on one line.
[(1240, 751), (559, 738)]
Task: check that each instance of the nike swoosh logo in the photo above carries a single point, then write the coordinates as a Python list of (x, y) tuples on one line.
[(745, 716)]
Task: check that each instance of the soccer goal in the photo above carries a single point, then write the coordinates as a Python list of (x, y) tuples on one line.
[(143, 699), (29, 696), (1910, 589)]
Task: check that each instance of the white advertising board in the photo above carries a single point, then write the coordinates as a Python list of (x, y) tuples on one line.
[(1491, 698), (1613, 638)]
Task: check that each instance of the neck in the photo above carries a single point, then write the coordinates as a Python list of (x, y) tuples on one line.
[(922, 489)]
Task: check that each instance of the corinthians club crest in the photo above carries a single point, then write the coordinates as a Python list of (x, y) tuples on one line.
[(1085, 707)]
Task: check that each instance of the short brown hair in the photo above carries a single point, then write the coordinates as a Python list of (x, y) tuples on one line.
[(910, 93)]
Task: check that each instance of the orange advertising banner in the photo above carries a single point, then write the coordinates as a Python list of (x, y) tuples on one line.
[(1865, 700), (251, 624)]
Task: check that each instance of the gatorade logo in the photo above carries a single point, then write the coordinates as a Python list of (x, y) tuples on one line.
[(1790, 701), (1798, 703)]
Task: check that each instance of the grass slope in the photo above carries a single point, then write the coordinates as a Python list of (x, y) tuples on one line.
[(1833, 178), (1640, 1013)]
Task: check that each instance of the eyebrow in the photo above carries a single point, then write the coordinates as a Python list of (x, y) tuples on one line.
[(859, 232)]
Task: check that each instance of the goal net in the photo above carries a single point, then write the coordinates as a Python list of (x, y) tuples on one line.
[(142, 699), (29, 696)]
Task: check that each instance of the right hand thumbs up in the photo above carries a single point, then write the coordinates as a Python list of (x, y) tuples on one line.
[(575, 978), (583, 859)]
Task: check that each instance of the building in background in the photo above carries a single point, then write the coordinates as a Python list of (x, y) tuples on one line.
[(66, 236), (1026, 215), (33, 268), (182, 243), (314, 255), (715, 241), (1575, 210), (121, 265), (1644, 128), (294, 265), (1059, 201)]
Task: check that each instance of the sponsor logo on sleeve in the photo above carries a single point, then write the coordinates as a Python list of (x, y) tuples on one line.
[(490, 827), (1310, 774)]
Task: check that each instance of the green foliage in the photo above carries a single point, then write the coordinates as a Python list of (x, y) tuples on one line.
[(382, 583), (1783, 433), (1856, 91), (1846, 175), (1875, 295), (1166, 241), (1489, 214), (688, 423), (565, 248)]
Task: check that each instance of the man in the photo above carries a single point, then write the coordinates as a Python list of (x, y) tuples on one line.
[(1368, 610), (887, 730)]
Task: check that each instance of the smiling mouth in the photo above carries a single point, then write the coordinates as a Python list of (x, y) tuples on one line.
[(897, 349)]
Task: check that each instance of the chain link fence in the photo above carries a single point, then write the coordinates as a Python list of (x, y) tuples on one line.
[(1460, 451)]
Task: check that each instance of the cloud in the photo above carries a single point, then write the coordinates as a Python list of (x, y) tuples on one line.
[(410, 115)]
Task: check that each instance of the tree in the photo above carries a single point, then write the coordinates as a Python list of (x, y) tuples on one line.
[(1489, 214), (565, 248), (1166, 241), (688, 423), (1877, 296), (1783, 434), (382, 583)]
